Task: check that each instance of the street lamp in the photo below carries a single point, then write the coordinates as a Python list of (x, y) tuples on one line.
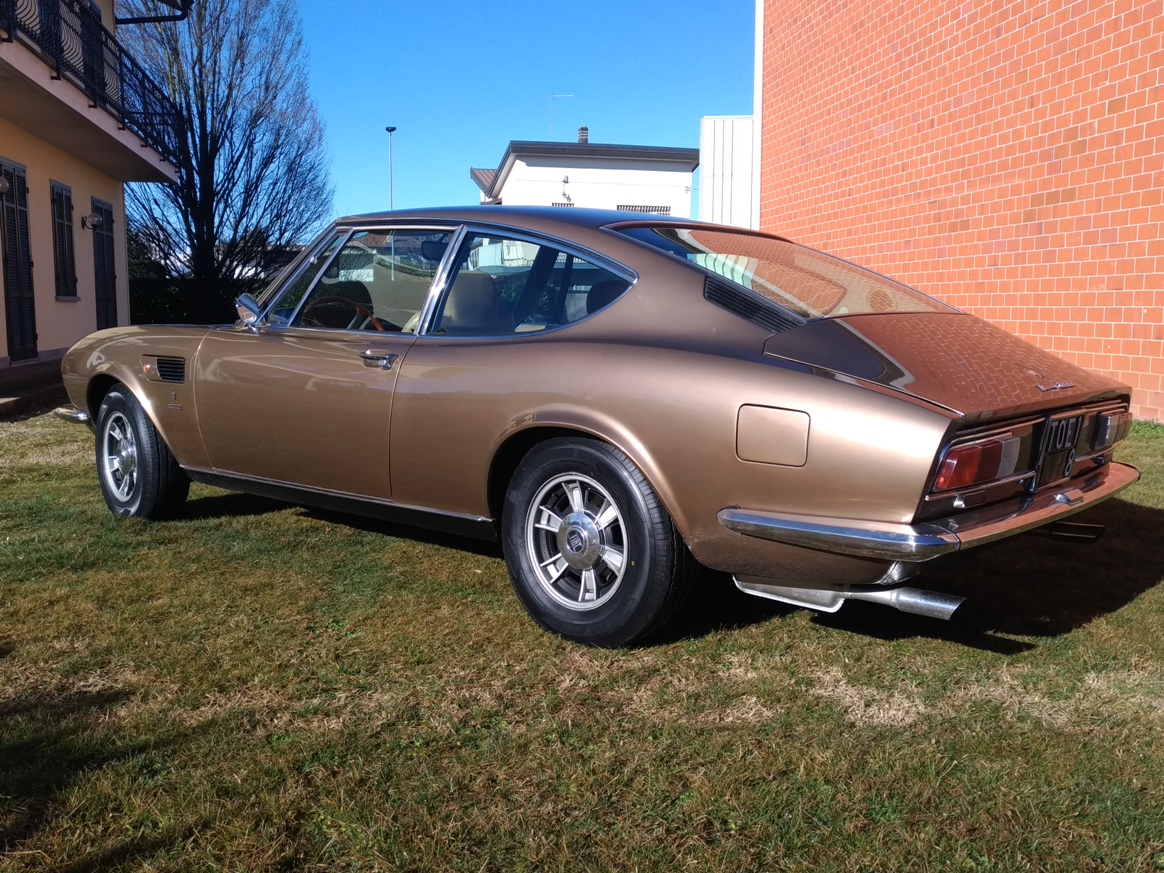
[(391, 130)]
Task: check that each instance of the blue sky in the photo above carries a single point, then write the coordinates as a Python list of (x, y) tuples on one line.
[(460, 79)]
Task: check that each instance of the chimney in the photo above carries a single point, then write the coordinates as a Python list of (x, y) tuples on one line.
[(584, 134)]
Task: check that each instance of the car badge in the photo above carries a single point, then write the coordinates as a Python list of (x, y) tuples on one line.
[(1056, 386)]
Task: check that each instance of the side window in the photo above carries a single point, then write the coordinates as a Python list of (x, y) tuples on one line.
[(378, 280), (502, 286)]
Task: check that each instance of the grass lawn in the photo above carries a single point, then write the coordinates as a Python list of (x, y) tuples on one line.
[(262, 687)]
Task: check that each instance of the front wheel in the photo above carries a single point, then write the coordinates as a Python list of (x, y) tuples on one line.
[(139, 476), (591, 552)]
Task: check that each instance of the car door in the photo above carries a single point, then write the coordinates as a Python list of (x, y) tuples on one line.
[(490, 348), (306, 398)]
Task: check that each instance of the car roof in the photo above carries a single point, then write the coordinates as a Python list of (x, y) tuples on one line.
[(524, 216)]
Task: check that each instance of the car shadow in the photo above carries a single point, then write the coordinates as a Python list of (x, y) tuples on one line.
[(1025, 586), (396, 530), (228, 505), (1030, 586), (233, 504)]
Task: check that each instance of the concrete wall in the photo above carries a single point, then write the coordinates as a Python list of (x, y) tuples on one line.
[(60, 323), (598, 184), (1006, 157)]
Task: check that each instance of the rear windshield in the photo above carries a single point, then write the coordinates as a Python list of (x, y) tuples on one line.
[(807, 282)]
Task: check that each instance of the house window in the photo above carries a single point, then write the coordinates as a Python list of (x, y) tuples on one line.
[(650, 210), (64, 263)]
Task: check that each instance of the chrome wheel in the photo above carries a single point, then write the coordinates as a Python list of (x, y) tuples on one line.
[(120, 456), (577, 541), (139, 476), (591, 552)]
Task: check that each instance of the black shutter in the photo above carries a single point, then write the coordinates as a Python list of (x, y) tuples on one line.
[(64, 259), (19, 303), (105, 276)]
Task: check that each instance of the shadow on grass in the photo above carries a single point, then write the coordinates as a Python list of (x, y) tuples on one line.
[(50, 742), (228, 505), (1024, 586), (408, 532), (141, 849), (1029, 585)]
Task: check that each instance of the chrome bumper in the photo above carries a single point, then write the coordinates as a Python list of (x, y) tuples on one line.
[(921, 542), (72, 413)]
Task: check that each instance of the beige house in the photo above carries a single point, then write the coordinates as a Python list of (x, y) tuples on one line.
[(78, 119)]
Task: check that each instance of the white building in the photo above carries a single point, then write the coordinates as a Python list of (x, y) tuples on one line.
[(649, 179), (728, 193)]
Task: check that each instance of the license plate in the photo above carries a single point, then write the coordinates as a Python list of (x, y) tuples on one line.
[(1060, 443)]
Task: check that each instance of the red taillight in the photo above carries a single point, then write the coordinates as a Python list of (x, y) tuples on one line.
[(976, 463)]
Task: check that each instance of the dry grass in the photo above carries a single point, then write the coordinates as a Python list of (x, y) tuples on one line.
[(258, 687)]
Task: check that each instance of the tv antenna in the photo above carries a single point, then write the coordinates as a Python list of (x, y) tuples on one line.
[(554, 97)]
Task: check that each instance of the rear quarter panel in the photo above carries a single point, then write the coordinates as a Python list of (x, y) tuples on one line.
[(673, 411)]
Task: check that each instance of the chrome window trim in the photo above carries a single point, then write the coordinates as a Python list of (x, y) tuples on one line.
[(342, 234), (439, 281), (294, 270), (622, 271)]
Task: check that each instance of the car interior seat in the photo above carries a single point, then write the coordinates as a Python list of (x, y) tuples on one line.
[(474, 306)]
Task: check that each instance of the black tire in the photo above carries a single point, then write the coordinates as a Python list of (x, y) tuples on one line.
[(139, 476), (622, 570)]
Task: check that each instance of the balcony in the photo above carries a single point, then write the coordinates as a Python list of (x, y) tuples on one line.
[(77, 49)]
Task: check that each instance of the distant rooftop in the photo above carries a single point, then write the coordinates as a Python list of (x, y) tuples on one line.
[(489, 181)]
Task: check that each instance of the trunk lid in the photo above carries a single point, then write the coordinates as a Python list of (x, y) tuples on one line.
[(951, 359)]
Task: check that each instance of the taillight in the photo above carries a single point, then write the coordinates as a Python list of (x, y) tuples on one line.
[(1111, 428), (976, 463)]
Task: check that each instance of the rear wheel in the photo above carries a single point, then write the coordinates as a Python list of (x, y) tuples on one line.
[(139, 476), (591, 552)]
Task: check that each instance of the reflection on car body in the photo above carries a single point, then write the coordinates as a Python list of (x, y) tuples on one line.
[(617, 399)]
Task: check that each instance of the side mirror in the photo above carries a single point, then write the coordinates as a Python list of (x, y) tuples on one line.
[(248, 310)]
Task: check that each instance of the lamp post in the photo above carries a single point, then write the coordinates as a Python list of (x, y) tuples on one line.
[(391, 204)]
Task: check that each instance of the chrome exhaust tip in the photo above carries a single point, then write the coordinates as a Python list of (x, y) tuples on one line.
[(912, 600)]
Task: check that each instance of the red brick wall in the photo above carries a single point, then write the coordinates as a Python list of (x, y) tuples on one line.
[(1007, 157)]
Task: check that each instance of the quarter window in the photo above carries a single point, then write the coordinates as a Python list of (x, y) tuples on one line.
[(503, 285)]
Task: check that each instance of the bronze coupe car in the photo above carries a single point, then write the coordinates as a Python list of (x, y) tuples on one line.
[(615, 397)]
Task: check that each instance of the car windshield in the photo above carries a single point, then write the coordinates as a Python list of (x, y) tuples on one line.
[(807, 282)]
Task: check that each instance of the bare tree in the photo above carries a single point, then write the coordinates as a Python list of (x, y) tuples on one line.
[(253, 174)]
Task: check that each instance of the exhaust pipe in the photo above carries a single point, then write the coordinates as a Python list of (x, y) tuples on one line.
[(912, 600), (1071, 532)]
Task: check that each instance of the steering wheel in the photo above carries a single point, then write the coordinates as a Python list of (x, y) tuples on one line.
[(360, 310)]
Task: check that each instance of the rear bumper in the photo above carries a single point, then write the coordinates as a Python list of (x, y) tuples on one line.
[(921, 542)]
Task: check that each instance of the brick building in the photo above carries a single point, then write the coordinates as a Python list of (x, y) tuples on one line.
[(1007, 157)]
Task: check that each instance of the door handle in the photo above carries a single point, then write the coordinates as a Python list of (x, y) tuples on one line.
[(376, 358)]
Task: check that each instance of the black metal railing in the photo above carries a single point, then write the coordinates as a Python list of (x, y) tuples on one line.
[(72, 39)]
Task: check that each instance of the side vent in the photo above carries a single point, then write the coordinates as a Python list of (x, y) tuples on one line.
[(749, 305), (172, 369)]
